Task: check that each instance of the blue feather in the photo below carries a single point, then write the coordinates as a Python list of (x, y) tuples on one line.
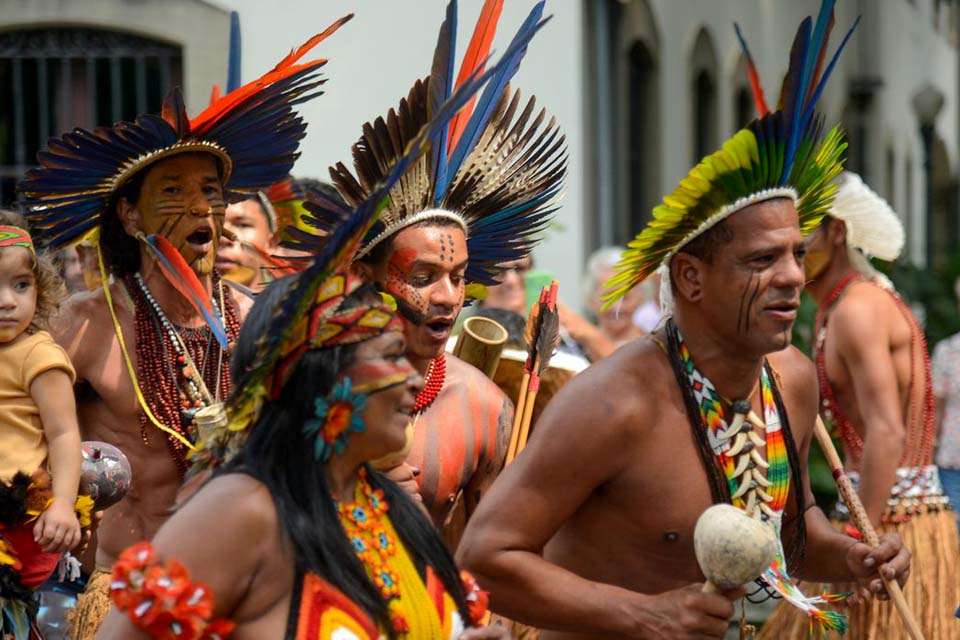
[(441, 84), (793, 107), (491, 94), (826, 74), (233, 60), (813, 50)]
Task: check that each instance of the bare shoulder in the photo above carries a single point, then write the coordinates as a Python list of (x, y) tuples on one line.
[(236, 502), (860, 307), (471, 380), (82, 324), (620, 387)]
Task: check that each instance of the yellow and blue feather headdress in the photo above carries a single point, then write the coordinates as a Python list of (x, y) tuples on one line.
[(780, 154)]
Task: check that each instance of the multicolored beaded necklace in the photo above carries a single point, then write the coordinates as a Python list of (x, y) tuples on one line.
[(374, 540), (436, 374), (758, 483), (180, 365)]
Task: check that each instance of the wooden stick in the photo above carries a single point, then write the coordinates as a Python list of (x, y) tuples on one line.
[(518, 418), (527, 416), (862, 522)]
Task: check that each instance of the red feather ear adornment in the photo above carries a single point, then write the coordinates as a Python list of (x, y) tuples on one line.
[(179, 274)]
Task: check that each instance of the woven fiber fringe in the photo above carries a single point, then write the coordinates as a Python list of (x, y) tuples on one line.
[(92, 607), (932, 590)]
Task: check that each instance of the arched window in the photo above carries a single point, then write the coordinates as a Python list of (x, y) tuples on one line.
[(703, 70), (624, 105), (55, 79)]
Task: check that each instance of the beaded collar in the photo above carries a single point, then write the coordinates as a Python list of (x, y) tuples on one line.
[(758, 483), (436, 375)]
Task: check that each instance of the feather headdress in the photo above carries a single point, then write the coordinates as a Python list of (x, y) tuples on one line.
[(497, 169), (872, 225), (253, 132), (309, 316), (778, 155)]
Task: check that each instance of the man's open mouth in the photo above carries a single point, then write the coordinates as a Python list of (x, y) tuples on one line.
[(200, 238), (439, 329)]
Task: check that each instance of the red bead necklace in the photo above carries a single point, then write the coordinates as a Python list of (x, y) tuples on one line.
[(920, 433), (167, 380), (436, 374), (852, 442)]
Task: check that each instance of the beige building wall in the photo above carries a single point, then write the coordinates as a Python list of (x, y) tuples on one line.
[(200, 28)]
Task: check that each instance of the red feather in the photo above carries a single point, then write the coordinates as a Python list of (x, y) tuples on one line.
[(215, 93), (474, 60), (284, 69), (277, 265), (758, 98), (179, 274), (183, 279)]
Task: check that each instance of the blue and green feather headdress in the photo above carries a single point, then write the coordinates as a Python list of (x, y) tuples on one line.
[(780, 154)]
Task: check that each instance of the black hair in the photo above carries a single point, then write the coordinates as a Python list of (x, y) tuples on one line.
[(275, 453), (708, 244), (380, 252), (121, 251)]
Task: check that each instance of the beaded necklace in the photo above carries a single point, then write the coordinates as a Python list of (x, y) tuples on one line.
[(167, 356), (758, 483), (436, 374), (920, 433), (375, 542)]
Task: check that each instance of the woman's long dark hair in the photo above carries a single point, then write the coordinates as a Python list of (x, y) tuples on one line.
[(276, 454)]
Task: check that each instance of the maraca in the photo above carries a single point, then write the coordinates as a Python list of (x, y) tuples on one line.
[(731, 547), (104, 474)]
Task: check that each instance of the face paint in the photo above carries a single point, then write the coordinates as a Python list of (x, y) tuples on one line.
[(819, 255), (425, 274), (410, 302), (371, 375), (182, 200)]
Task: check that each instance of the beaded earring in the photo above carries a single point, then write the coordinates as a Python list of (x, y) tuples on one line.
[(337, 416)]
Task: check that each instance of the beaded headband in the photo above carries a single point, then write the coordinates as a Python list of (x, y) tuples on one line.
[(325, 326), (16, 237)]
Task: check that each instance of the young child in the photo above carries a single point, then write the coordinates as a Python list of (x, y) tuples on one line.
[(39, 437)]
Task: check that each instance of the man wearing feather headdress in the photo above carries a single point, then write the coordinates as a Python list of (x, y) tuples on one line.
[(876, 392), (478, 201), (589, 534), (151, 348)]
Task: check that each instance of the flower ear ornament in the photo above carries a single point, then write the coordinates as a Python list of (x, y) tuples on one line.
[(337, 416)]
